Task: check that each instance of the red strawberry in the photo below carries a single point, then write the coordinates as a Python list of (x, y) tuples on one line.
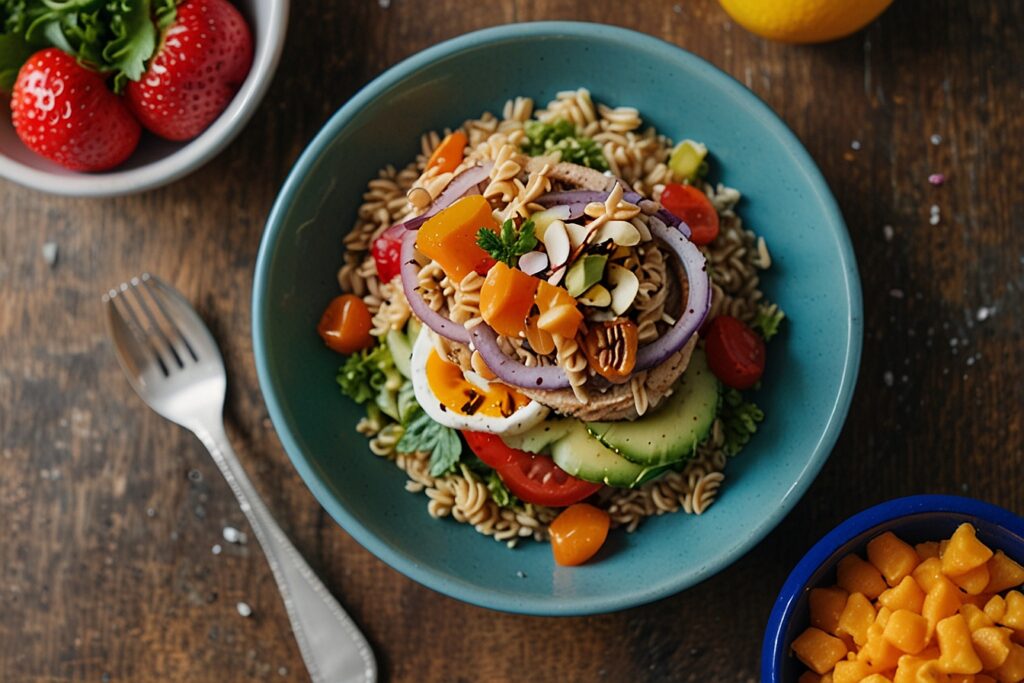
[(64, 112), (203, 59)]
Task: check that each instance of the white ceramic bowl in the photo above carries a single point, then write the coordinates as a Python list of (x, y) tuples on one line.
[(157, 162)]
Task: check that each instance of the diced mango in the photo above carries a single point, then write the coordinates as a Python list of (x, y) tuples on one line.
[(1003, 573), (975, 617), (964, 552), (995, 608), (907, 631), (973, 581), (850, 672), (550, 297), (927, 549), (942, 601), (826, 604), (818, 650), (1012, 670), (882, 616), (979, 600), (854, 575), (449, 237), (1014, 614), (957, 653), (906, 595), (928, 573), (921, 669), (892, 557), (506, 298), (992, 643), (878, 653), (856, 616)]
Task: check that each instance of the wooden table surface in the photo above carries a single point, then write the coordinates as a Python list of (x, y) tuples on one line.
[(108, 514)]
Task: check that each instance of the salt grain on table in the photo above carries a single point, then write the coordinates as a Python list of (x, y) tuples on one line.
[(888, 232), (216, 549), (233, 535), (855, 145), (888, 378), (935, 139), (50, 253), (244, 609), (983, 313)]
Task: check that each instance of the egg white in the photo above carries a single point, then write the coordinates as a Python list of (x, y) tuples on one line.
[(523, 419)]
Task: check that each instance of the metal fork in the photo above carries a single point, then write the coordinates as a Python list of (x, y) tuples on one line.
[(173, 363)]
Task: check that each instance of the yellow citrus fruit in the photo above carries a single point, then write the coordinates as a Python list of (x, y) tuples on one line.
[(803, 21)]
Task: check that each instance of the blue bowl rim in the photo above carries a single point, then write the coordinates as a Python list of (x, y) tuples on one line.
[(773, 649), (399, 560)]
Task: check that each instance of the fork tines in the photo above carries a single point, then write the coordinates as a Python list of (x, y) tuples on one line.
[(139, 304)]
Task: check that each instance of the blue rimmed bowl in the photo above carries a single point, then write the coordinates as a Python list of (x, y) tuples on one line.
[(914, 519), (812, 364)]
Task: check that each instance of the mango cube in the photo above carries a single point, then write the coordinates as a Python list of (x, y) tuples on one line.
[(964, 552), (973, 581), (854, 575), (850, 672), (1014, 614), (942, 601), (928, 573), (892, 557), (857, 616), (1003, 573), (957, 653), (818, 650), (975, 617), (906, 595), (826, 604), (995, 608), (907, 631), (992, 644), (1012, 670)]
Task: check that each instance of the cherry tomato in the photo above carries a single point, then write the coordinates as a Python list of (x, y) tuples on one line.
[(532, 478), (691, 206), (735, 352), (387, 252), (345, 325), (578, 533)]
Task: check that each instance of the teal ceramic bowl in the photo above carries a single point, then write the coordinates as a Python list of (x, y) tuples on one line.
[(812, 364)]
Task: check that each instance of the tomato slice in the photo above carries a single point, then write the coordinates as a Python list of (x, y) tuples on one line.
[(736, 353), (533, 478), (387, 252), (691, 206)]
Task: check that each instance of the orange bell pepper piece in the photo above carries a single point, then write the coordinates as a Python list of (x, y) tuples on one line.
[(506, 299), (450, 237), (548, 297), (449, 154)]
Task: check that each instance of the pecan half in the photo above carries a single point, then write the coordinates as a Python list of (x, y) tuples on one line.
[(610, 347)]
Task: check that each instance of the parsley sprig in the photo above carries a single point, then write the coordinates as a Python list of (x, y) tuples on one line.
[(561, 136), (740, 419), (768, 319), (509, 244), (443, 443)]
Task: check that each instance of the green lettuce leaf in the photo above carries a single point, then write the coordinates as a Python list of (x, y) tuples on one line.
[(425, 435)]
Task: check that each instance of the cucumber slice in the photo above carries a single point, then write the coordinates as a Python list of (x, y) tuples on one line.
[(583, 456), (401, 351), (675, 429), (687, 158)]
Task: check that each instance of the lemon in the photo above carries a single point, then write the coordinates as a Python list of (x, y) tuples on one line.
[(803, 21)]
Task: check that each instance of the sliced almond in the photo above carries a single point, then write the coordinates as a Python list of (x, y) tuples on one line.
[(597, 296), (622, 233), (556, 243), (625, 286), (542, 219), (533, 262), (577, 234), (557, 275), (645, 232)]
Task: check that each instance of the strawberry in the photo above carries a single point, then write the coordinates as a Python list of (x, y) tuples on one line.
[(65, 112), (204, 56)]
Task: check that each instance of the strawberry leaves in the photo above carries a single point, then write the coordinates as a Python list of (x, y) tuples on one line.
[(115, 37)]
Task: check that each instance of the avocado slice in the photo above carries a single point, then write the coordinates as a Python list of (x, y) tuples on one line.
[(586, 272), (673, 431)]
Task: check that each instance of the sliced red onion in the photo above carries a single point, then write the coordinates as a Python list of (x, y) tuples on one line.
[(511, 370), (577, 201), (698, 300), (410, 283), (461, 185)]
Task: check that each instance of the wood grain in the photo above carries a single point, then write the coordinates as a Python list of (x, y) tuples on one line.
[(108, 514)]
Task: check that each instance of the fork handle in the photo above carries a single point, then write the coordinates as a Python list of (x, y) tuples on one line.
[(332, 647)]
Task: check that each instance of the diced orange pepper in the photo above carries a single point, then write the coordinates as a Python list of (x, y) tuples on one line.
[(549, 297), (450, 237), (449, 154), (506, 298)]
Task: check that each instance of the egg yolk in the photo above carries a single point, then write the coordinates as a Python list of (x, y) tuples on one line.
[(459, 395)]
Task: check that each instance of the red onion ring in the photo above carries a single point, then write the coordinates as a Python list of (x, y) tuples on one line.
[(410, 269), (698, 300), (510, 370), (461, 185)]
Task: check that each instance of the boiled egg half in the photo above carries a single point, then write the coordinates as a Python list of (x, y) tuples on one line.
[(465, 400)]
